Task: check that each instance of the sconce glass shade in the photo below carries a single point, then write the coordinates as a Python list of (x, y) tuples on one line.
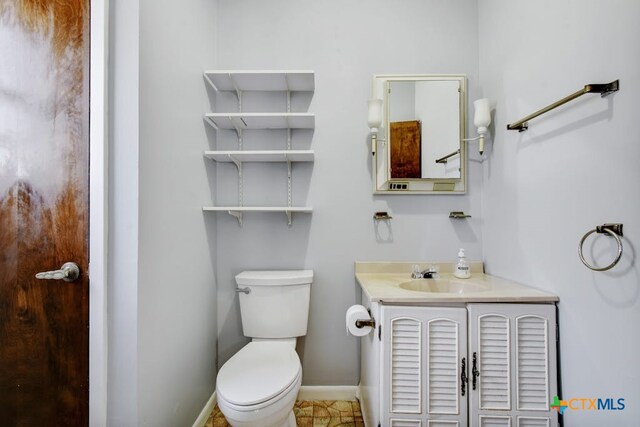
[(482, 118), (375, 114)]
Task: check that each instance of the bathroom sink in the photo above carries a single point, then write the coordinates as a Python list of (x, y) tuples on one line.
[(442, 286)]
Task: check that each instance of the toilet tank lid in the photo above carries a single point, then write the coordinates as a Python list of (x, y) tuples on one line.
[(274, 277)]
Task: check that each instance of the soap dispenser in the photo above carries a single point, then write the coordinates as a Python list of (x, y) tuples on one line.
[(462, 270)]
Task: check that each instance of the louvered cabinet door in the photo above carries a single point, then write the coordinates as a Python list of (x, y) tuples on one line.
[(422, 352), (513, 348)]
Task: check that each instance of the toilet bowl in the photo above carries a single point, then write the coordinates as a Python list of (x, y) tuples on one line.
[(258, 386)]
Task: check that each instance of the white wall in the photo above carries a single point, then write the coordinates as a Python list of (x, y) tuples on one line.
[(176, 282), (122, 292), (574, 168), (345, 43), (162, 291)]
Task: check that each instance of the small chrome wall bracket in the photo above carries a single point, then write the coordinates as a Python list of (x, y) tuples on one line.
[(603, 89), (458, 215), (381, 216), (616, 228), (613, 230)]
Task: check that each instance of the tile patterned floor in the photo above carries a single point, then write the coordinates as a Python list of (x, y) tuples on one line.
[(312, 413)]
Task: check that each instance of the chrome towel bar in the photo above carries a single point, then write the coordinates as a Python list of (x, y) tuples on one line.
[(445, 158), (603, 89)]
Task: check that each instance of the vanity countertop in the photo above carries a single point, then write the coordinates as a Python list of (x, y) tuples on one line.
[(381, 281)]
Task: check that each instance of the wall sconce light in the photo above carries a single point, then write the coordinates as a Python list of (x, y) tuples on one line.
[(375, 121), (481, 120)]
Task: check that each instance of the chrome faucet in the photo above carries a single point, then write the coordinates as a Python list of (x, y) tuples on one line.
[(430, 273)]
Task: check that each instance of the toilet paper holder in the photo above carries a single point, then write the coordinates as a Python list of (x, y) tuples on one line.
[(362, 323)]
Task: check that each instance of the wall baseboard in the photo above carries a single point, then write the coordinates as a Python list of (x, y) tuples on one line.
[(206, 411), (340, 392)]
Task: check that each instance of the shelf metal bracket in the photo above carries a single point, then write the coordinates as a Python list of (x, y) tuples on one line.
[(238, 216), (237, 128), (289, 222), (238, 133), (206, 76), (238, 164), (238, 92), (211, 123)]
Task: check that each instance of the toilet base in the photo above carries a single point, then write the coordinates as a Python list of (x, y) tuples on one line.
[(277, 414), (290, 421)]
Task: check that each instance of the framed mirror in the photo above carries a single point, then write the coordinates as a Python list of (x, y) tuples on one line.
[(419, 148)]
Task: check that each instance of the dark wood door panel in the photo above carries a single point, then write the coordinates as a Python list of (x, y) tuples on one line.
[(44, 324), (406, 149)]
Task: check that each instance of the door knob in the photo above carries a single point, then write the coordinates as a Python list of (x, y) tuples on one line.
[(68, 272)]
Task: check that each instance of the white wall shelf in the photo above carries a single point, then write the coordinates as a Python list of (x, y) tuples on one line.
[(267, 81), (261, 156), (285, 81), (238, 211), (242, 121)]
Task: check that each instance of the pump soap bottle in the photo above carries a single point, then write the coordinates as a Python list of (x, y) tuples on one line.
[(462, 270)]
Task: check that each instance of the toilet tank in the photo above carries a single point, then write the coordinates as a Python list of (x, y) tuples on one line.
[(277, 305)]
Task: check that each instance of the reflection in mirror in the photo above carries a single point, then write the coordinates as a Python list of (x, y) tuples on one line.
[(424, 126), (424, 123)]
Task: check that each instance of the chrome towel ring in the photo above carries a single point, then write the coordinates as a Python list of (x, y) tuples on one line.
[(614, 230)]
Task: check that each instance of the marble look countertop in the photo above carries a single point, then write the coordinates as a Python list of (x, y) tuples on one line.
[(381, 281)]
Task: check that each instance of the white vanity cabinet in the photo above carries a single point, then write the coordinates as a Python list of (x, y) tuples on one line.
[(474, 364), (424, 352), (448, 352), (513, 372)]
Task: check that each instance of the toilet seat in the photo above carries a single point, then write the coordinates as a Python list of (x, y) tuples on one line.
[(256, 375)]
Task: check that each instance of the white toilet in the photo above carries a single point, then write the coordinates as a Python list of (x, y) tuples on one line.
[(258, 386)]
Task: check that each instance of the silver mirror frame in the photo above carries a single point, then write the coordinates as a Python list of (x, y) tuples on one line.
[(381, 181)]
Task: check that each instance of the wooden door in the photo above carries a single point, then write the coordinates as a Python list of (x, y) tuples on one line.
[(44, 146), (406, 149)]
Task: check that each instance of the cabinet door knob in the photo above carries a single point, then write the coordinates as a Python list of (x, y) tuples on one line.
[(463, 377), (474, 370)]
